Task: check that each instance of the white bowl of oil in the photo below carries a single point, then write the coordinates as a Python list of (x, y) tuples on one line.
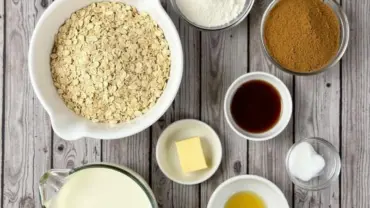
[(248, 191)]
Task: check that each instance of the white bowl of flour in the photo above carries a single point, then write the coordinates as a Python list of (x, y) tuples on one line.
[(213, 14)]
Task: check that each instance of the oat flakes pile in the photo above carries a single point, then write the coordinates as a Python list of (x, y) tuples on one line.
[(110, 63)]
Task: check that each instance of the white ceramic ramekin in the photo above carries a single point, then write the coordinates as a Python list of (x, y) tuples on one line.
[(166, 153), (268, 191), (286, 111), (66, 123)]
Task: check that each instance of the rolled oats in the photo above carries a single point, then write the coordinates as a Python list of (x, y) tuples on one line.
[(109, 62)]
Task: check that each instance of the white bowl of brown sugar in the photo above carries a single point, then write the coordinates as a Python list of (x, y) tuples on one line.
[(105, 69)]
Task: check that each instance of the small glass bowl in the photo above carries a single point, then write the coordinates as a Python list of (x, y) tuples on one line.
[(243, 14), (344, 38), (330, 172)]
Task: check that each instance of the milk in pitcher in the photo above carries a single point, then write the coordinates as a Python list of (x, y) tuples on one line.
[(100, 188)]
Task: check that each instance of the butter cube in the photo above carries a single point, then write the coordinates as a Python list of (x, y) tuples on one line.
[(191, 155)]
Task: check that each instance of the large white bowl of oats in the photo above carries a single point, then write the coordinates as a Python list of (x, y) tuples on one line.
[(105, 69)]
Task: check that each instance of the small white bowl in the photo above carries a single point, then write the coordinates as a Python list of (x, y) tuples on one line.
[(167, 157), (286, 111), (65, 122), (268, 191)]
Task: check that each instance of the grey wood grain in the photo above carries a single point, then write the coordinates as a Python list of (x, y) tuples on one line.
[(356, 108), (132, 152), (2, 69), (186, 105), (71, 154), (224, 58), (27, 131), (212, 62), (317, 111), (267, 159)]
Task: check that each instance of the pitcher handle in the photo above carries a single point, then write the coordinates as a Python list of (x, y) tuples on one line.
[(50, 184)]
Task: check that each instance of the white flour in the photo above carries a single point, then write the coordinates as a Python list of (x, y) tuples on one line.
[(211, 13)]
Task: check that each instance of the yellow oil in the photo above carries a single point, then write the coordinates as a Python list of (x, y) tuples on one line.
[(245, 199)]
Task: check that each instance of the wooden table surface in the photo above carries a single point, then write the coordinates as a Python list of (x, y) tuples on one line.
[(334, 105)]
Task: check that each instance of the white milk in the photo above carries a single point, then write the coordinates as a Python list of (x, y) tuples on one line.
[(100, 188)]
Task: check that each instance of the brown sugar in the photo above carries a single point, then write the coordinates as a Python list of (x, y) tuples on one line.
[(302, 35)]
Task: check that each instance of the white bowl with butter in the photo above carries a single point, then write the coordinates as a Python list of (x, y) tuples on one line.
[(177, 169)]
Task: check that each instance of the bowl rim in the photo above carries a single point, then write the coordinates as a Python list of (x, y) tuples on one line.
[(288, 102), (176, 76), (336, 172), (210, 172), (344, 38), (240, 18), (246, 177)]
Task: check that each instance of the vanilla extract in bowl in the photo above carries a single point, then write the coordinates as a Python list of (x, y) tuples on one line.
[(256, 106)]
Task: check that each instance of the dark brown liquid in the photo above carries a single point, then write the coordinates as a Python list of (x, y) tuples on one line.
[(256, 106)]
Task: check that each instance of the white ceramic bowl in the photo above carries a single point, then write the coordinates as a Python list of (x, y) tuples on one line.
[(269, 192), (166, 153), (286, 111), (66, 123)]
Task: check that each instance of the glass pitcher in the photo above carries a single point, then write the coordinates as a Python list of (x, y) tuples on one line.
[(53, 180)]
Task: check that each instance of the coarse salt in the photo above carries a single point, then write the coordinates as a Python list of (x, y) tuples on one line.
[(304, 162), (211, 13)]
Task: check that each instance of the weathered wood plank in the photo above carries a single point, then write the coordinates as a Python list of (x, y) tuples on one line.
[(2, 69), (71, 154), (355, 146), (132, 152), (224, 58), (267, 159), (186, 105), (27, 132), (317, 114)]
